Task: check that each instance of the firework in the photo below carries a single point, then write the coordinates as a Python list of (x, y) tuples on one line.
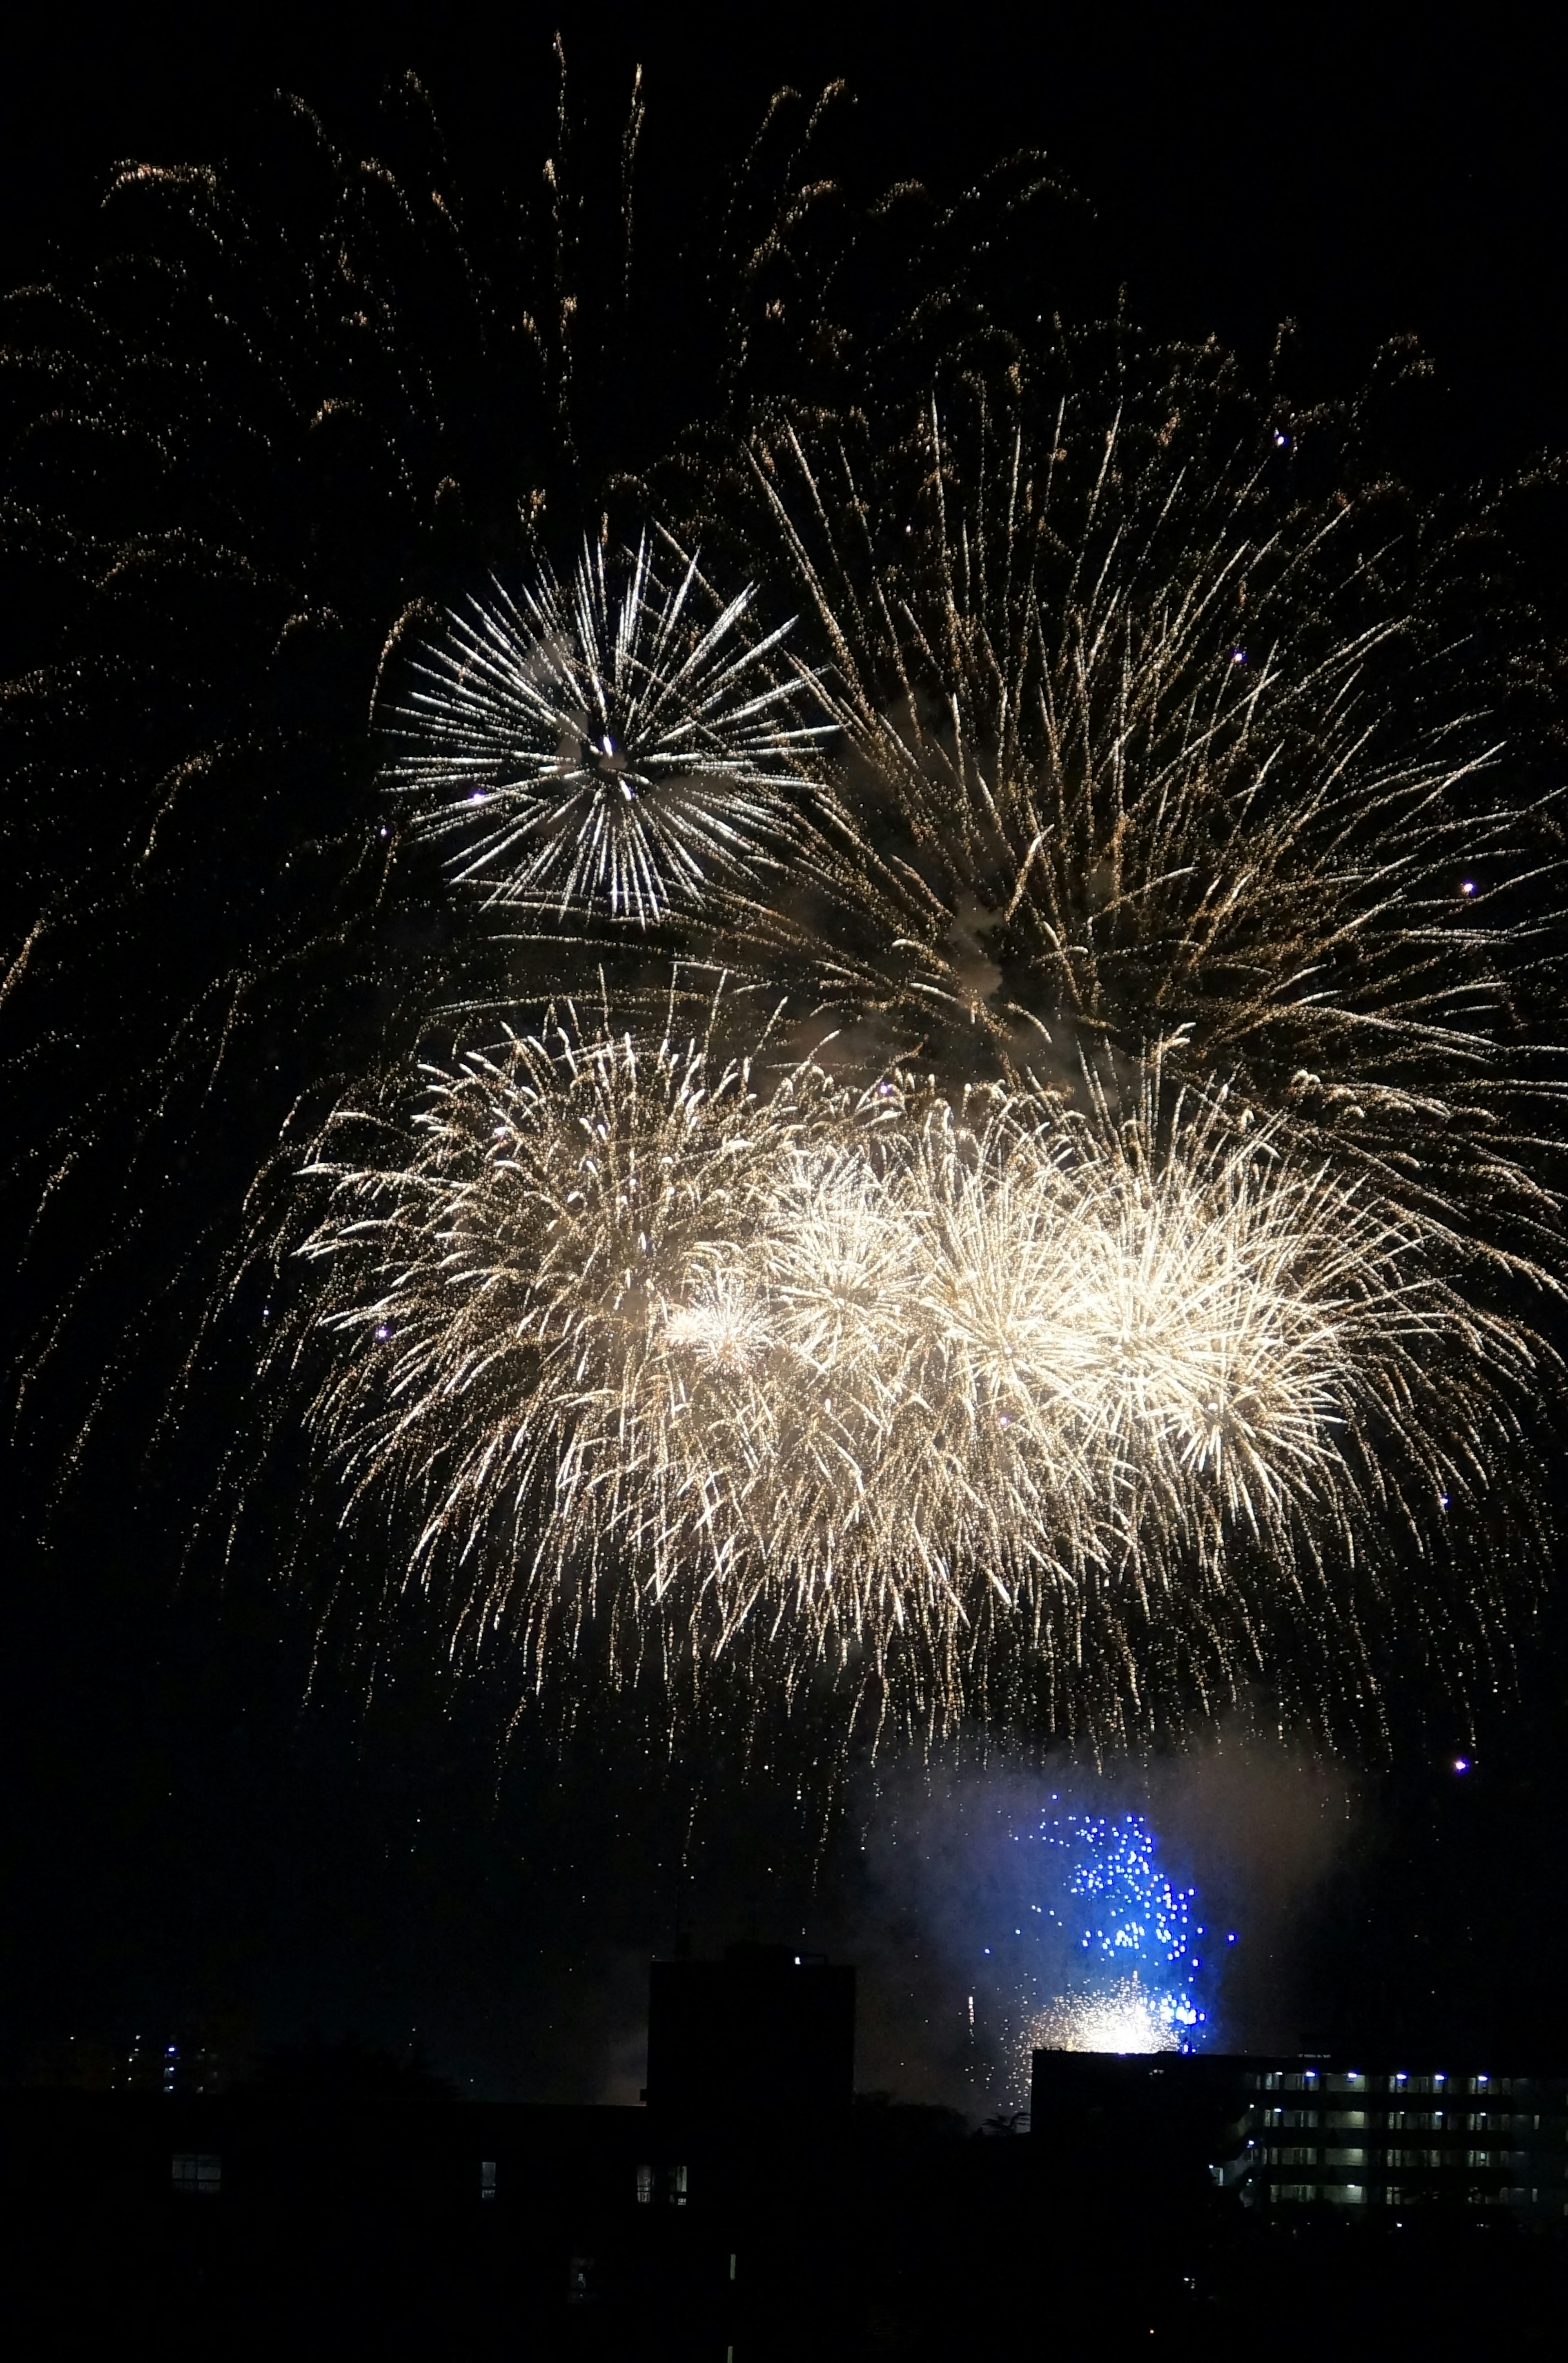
[(603, 749), (371, 389), (873, 1380), (1123, 2016), (1109, 1256), (1140, 762), (1135, 1986)]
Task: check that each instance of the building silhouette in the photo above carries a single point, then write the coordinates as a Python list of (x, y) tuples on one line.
[(754, 2210)]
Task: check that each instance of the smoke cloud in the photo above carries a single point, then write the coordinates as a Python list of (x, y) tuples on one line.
[(943, 1900)]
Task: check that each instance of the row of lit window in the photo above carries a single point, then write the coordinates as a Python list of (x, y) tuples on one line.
[(1351, 2079), (1292, 2154), (1393, 2194), (1413, 2120)]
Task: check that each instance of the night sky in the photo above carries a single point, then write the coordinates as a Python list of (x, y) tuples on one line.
[(210, 1819)]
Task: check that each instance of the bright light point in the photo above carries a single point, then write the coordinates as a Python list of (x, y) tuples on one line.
[(1467, 886), (383, 1333), (1461, 1763), (1238, 656), (1281, 440)]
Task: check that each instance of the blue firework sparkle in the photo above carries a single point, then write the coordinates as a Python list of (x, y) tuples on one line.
[(1106, 1950), (1131, 1926)]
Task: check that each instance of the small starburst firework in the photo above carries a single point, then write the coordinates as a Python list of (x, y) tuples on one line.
[(602, 748)]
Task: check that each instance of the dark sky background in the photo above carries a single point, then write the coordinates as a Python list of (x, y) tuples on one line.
[(196, 1825)]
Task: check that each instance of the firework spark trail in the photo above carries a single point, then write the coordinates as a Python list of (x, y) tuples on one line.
[(1127, 769), (602, 748), (825, 1373)]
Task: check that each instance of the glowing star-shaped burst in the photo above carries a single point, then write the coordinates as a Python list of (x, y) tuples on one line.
[(615, 746)]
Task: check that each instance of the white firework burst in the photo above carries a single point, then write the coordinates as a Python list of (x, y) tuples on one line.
[(879, 1379), (615, 745)]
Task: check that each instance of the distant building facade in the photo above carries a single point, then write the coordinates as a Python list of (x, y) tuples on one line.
[(1291, 2134), (1319, 2134)]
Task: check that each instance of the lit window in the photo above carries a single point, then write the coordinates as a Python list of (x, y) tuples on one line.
[(487, 2178), (676, 2186), (645, 2186), (198, 2176)]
